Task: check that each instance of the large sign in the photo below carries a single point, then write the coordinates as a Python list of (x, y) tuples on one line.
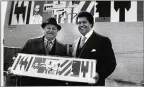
[(50, 67)]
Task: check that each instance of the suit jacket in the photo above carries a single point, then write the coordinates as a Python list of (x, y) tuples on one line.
[(102, 52), (36, 46)]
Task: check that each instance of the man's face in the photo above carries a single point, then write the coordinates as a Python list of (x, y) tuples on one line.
[(37, 7), (83, 25), (50, 31)]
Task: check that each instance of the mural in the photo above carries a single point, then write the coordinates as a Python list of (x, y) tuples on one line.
[(35, 12), (20, 12)]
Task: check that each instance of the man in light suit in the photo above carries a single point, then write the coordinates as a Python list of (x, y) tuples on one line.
[(45, 45), (92, 45)]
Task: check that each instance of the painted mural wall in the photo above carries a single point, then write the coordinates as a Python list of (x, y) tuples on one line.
[(24, 18)]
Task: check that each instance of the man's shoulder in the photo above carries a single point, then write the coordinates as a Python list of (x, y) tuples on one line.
[(100, 36), (60, 43), (36, 39)]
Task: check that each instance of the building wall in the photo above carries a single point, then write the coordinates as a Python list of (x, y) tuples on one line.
[(126, 38)]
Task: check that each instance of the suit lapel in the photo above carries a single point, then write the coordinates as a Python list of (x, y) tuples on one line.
[(56, 47), (88, 45), (41, 46)]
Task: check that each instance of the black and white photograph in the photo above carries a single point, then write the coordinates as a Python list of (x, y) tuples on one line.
[(72, 43)]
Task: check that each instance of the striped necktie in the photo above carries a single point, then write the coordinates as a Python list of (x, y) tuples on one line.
[(49, 46), (82, 42)]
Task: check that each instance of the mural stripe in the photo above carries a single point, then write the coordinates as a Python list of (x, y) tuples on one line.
[(68, 72), (17, 63), (85, 6), (28, 14), (140, 10), (11, 12), (29, 64), (65, 68), (64, 63)]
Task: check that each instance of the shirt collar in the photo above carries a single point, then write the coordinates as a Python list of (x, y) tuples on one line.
[(88, 34), (46, 40)]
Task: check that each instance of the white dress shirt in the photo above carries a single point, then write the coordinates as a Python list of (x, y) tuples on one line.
[(87, 35)]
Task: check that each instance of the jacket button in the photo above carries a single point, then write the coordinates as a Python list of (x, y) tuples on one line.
[(66, 83)]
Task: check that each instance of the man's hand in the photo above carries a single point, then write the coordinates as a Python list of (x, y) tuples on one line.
[(96, 77), (9, 72)]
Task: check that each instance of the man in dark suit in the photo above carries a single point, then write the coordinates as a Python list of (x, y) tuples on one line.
[(94, 46), (45, 45), (40, 45)]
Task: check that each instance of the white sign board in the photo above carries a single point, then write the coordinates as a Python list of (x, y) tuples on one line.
[(50, 67)]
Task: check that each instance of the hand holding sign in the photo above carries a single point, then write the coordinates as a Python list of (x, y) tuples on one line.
[(96, 77)]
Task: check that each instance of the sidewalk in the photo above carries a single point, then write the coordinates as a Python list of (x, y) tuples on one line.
[(121, 83)]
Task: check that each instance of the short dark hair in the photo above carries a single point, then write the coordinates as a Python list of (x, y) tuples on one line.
[(88, 16)]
